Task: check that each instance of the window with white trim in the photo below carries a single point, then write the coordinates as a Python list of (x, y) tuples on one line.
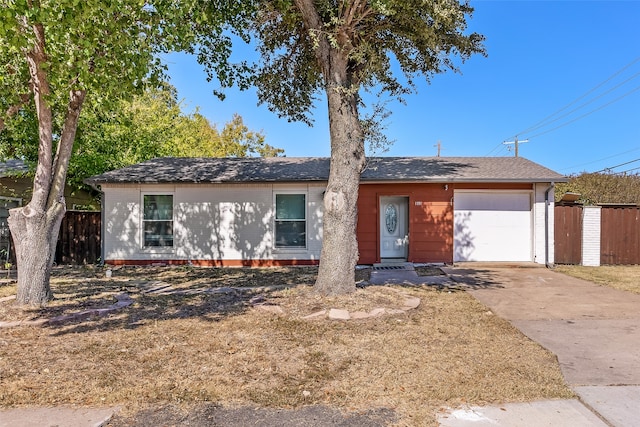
[(291, 221), (157, 220)]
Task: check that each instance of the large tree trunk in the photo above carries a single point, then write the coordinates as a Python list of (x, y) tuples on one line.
[(35, 227), (339, 255), (35, 234)]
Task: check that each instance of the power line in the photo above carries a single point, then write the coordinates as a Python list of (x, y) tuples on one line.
[(616, 166), (439, 145), (540, 123), (504, 152), (599, 160), (494, 149), (586, 114), (516, 143), (545, 122), (531, 129), (628, 170)]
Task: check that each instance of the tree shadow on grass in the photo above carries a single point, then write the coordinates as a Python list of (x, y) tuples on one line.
[(472, 278), (87, 302), (210, 307), (452, 279)]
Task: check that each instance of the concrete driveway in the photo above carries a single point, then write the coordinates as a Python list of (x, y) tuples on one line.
[(594, 330)]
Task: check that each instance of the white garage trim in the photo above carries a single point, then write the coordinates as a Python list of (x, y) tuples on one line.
[(493, 225)]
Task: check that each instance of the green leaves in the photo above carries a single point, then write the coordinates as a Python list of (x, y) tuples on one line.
[(387, 43), (152, 125), (596, 188), (109, 48), (104, 47)]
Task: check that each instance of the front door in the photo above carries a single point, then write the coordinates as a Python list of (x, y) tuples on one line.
[(394, 235)]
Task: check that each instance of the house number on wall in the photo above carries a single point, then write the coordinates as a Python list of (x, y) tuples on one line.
[(391, 218)]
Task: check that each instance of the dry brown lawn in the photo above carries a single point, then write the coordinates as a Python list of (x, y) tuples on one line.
[(623, 277), (216, 347)]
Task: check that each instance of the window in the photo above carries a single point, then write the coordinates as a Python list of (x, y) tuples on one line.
[(291, 222), (158, 220)]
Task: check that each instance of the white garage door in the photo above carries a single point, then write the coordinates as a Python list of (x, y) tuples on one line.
[(492, 226)]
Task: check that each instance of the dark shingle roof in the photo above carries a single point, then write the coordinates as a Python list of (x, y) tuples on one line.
[(13, 167), (292, 169)]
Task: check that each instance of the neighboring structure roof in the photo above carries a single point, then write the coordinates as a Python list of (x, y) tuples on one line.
[(13, 167), (294, 169)]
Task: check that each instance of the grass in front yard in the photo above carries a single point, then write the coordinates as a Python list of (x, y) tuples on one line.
[(7, 289), (622, 277), (188, 349)]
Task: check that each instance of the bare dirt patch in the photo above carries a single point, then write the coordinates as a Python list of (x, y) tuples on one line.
[(215, 348), (302, 301), (428, 270), (622, 277)]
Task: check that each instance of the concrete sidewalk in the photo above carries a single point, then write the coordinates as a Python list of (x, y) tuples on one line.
[(56, 417), (594, 331)]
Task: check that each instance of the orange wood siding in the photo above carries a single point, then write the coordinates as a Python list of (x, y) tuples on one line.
[(431, 230), (430, 221), (430, 218), (494, 186)]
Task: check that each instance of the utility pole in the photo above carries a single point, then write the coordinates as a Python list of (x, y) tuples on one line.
[(515, 143), (439, 147)]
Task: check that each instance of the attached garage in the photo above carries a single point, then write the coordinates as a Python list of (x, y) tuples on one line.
[(493, 225)]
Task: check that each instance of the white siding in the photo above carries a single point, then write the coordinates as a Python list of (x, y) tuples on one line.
[(223, 222), (539, 224), (211, 222), (121, 223), (591, 235)]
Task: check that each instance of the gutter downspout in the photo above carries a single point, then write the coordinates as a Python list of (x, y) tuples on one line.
[(546, 225)]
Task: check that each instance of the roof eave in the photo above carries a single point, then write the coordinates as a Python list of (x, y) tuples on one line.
[(262, 181), (464, 180), (318, 180)]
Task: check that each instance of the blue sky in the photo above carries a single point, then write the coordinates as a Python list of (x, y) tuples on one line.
[(573, 64)]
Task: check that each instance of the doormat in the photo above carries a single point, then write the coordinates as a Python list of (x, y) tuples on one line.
[(392, 267)]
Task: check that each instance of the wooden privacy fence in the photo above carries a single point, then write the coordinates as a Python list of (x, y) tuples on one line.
[(79, 239), (620, 235), (607, 235), (568, 234)]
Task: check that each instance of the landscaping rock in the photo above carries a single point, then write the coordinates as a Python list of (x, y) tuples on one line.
[(159, 288), (258, 299), (411, 303), (122, 301), (377, 312), (317, 315), (16, 323), (359, 315), (337, 314)]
